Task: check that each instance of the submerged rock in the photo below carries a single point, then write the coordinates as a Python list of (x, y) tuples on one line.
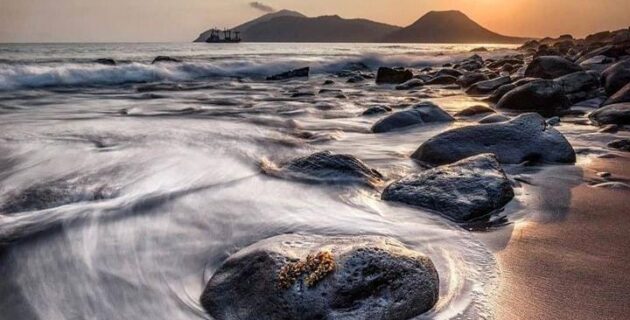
[(616, 76), (465, 190), (314, 277), (419, 114), (612, 114), (393, 76), (332, 168), (550, 67), (297, 73), (621, 144), (376, 110), (106, 61), (474, 110), (487, 86), (621, 96), (524, 138), (543, 96), (160, 59)]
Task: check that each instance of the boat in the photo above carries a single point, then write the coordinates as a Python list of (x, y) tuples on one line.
[(229, 36)]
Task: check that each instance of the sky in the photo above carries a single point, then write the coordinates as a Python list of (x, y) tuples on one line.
[(183, 20)]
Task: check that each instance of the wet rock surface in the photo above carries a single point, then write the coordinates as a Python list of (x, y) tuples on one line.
[(620, 144), (550, 67), (297, 73), (474, 110), (580, 85), (524, 138), (621, 96), (616, 76), (612, 114), (419, 114), (372, 277), (494, 118), (330, 168), (393, 76), (543, 96), (165, 59), (487, 86), (463, 191), (376, 110)]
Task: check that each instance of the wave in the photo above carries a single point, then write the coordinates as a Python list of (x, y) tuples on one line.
[(32, 76)]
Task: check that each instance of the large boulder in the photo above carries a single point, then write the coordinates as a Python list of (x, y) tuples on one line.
[(315, 277), (393, 76), (465, 190), (543, 96), (623, 95), (550, 67), (616, 76), (422, 113), (523, 138), (297, 73), (327, 167), (612, 114), (487, 86), (579, 86)]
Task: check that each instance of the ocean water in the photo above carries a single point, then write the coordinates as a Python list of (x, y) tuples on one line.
[(122, 188)]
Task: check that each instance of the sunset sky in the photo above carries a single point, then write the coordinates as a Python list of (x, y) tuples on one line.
[(182, 20)]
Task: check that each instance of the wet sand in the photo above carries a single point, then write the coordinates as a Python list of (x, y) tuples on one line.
[(577, 267)]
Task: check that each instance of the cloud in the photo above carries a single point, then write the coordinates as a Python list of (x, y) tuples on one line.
[(261, 6)]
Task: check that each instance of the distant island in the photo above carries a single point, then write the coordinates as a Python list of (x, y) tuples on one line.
[(434, 27)]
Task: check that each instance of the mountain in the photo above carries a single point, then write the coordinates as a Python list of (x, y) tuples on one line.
[(447, 27), (245, 26), (319, 29)]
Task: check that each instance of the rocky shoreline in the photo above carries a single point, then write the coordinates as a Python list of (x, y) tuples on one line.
[(365, 278)]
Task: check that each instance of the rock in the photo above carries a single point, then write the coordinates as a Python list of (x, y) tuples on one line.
[(106, 61), (494, 118), (441, 80), (621, 96), (523, 138), (480, 49), (356, 79), (487, 86), (531, 44), (616, 77), (596, 62), (618, 114), (315, 277), (614, 185), (543, 96), (474, 110), (376, 110), (301, 94), (550, 67), (328, 82), (610, 128), (604, 174), (325, 166), (621, 144), (422, 113), (463, 191), (161, 59), (579, 86), (503, 62), (356, 66), (553, 121), (411, 84), (470, 78), (449, 72), (500, 92), (297, 73), (393, 76), (472, 63)]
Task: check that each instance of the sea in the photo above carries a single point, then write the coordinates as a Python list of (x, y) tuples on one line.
[(124, 187)]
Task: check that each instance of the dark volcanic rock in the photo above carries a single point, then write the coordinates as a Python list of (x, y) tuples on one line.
[(393, 76), (160, 59), (621, 144), (474, 110), (500, 92), (616, 76), (550, 67), (358, 277), (328, 167), (106, 61), (376, 110), (465, 190), (579, 86), (612, 114), (494, 118), (297, 73), (470, 78), (487, 86), (524, 138), (623, 95), (440, 80), (411, 84), (543, 96), (425, 112)]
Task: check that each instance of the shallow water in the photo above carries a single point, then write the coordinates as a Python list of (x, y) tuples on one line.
[(144, 190)]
